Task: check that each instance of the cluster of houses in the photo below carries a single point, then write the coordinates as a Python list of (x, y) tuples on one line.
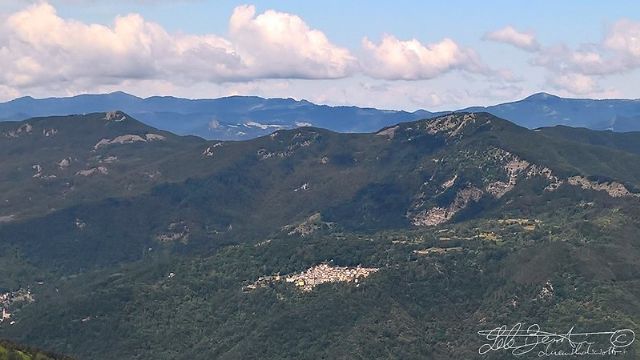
[(9, 298), (316, 275)]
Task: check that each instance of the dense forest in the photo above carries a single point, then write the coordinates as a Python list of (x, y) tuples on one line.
[(188, 249)]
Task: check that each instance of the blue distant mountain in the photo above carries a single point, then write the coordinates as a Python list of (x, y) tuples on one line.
[(543, 110), (228, 118), (245, 117)]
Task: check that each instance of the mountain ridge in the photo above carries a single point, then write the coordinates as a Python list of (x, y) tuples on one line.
[(211, 249), (262, 172), (544, 110), (228, 118), (244, 117)]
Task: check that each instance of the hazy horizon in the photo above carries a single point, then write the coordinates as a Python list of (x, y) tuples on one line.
[(406, 56)]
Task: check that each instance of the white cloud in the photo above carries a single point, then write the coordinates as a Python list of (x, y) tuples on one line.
[(264, 53), (509, 35), (575, 83), (619, 52), (44, 54), (39, 48), (281, 45), (578, 70), (411, 60), (623, 38), (588, 59)]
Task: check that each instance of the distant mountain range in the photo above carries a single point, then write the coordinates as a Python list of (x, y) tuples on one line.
[(544, 109), (247, 117), (228, 118)]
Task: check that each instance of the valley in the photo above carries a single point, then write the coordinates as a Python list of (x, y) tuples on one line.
[(307, 243)]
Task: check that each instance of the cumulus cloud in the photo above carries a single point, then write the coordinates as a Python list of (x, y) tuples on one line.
[(618, 52), (37, 47), (587, 59), (43, 53), (575, 70), (623, 38), (579, 69), (575, 83), (281, 45), (412, 60), (509, 35)]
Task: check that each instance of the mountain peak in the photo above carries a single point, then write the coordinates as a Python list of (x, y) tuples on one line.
[(115, 115), (21, 99), (541, 96), (122, 95)]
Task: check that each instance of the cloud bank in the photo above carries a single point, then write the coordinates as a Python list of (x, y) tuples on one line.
[(38, 48), (394, 59), (273, 52), (579, 70)]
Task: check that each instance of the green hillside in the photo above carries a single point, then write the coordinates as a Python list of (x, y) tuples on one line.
[(11, 351), (456, 224)]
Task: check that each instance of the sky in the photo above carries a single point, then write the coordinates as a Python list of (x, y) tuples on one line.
[(394, 55)]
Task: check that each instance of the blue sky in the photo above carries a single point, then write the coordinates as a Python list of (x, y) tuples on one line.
[(401, 54)]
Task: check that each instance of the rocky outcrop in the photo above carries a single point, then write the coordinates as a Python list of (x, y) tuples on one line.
[(64, 163), (554, 181), (99, 170), (122, 139), (300, 140), (177, 231), (431, 217), (312, 224), (80, 224), (49, 132), (38, 170), (109, 160), (128, 139), (209, 151), (303, 187), (39, 173), (547, 292), (24, 129), (390, 133), (154, 137), (449, 183), (499, 188), (515, 167), (439, 215), (614, 189), (115, 116), (449, 125)]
